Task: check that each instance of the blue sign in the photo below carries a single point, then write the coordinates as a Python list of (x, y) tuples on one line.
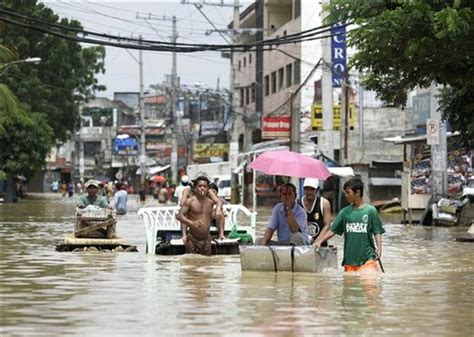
[(125, 146), (338, 53)]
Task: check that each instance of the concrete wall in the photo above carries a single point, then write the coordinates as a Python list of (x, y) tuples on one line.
[(378, 123)]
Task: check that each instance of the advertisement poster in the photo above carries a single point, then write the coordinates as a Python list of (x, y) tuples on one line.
[(459, 168)]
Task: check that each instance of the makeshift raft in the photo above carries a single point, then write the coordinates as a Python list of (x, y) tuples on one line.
[(219, 247), (305, 259), (94, 230), (163, 230)]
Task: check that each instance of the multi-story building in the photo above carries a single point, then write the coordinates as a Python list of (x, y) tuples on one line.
[(268, 83)]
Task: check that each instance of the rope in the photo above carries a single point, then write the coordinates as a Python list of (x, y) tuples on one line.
[(275, 257)]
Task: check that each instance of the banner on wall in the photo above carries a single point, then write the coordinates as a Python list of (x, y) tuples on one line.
[(275, 127)]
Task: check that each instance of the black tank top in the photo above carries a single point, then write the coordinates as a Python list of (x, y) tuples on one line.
[(315, 217)]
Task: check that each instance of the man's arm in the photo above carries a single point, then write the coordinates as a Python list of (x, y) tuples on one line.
[(322, 238), (378, 242), (185, 195), (327, 215), (267, 236), (181, 217), (292, 221), (81, 203), (219, 203)]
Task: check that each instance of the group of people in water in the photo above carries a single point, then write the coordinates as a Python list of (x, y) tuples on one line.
[(92, 197), (306, 221)]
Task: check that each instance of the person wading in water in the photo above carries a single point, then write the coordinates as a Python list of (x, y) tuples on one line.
[(195, 216)]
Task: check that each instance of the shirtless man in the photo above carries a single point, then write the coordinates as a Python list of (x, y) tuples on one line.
[(195, 216)]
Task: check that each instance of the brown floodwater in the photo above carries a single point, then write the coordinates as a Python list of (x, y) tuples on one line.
[(427, 288)]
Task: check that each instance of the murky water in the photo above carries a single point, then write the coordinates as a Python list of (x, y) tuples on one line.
[(427, 289)]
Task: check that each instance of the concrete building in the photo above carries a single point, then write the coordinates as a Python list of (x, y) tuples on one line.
[(267, 83)]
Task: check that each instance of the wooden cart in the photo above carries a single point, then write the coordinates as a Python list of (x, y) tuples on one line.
[(100, 224), (94, 231)]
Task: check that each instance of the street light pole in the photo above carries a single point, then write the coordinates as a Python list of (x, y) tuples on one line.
[(27, 60)]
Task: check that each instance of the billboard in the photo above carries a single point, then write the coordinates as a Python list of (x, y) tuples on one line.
[(338, 53), (276, 127), (208, 150), (317, 117)]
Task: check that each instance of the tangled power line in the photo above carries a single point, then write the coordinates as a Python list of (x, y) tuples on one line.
[(91, 37)]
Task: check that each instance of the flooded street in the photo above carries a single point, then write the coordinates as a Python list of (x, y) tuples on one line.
[(427, 289)]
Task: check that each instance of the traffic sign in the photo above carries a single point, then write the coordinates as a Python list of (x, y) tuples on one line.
[(432, 132)]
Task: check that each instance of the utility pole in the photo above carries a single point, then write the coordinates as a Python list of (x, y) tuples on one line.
[(295, 135), (295, 126), (173, 82), (174, 92), (327, 145), (142, 122), (344, 129), (439, 152), (237, 119), (81, 148)]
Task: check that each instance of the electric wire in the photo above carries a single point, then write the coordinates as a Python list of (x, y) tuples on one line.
[(168, 46)]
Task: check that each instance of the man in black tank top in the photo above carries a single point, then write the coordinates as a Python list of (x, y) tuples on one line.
[(317, 208)]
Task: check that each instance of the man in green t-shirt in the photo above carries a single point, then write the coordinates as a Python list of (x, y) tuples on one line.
[(92, 188), (359, 222)]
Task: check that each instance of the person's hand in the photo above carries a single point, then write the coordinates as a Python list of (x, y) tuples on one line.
[(317, 245), (184, 238), (221, 237), (378, 253)]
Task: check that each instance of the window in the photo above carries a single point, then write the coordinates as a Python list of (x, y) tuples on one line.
[(281, 78), (274, 82), (289, 73), (240, 65), (245, 62), (267, 85), (253, 92), (297, 72), (241, 97), (247, 96), (250, 58)]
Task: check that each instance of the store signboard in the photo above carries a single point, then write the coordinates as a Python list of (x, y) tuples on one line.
[(276, 127), (211, 128), (208, 150), (338, 53)]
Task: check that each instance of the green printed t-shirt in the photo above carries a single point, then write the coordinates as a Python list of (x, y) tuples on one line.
[(358, 226)]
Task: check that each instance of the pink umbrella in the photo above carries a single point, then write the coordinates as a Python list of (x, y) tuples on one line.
[(291, 164)]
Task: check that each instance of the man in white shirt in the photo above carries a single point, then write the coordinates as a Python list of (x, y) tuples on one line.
[(178, 192)]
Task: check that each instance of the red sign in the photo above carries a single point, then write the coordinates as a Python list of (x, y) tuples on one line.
[(276, 127)]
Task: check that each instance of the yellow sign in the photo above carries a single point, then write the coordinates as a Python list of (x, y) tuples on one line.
[(317, 117), (207, 150)]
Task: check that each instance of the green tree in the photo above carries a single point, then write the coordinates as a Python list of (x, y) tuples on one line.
[(402, 44), (64, 78), (25, 137)]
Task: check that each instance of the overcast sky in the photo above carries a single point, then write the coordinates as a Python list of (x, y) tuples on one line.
[(120, 18)]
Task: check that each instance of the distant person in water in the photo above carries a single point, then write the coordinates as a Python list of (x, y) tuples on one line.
[(195, 216), (121, 198), (92, 188)]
